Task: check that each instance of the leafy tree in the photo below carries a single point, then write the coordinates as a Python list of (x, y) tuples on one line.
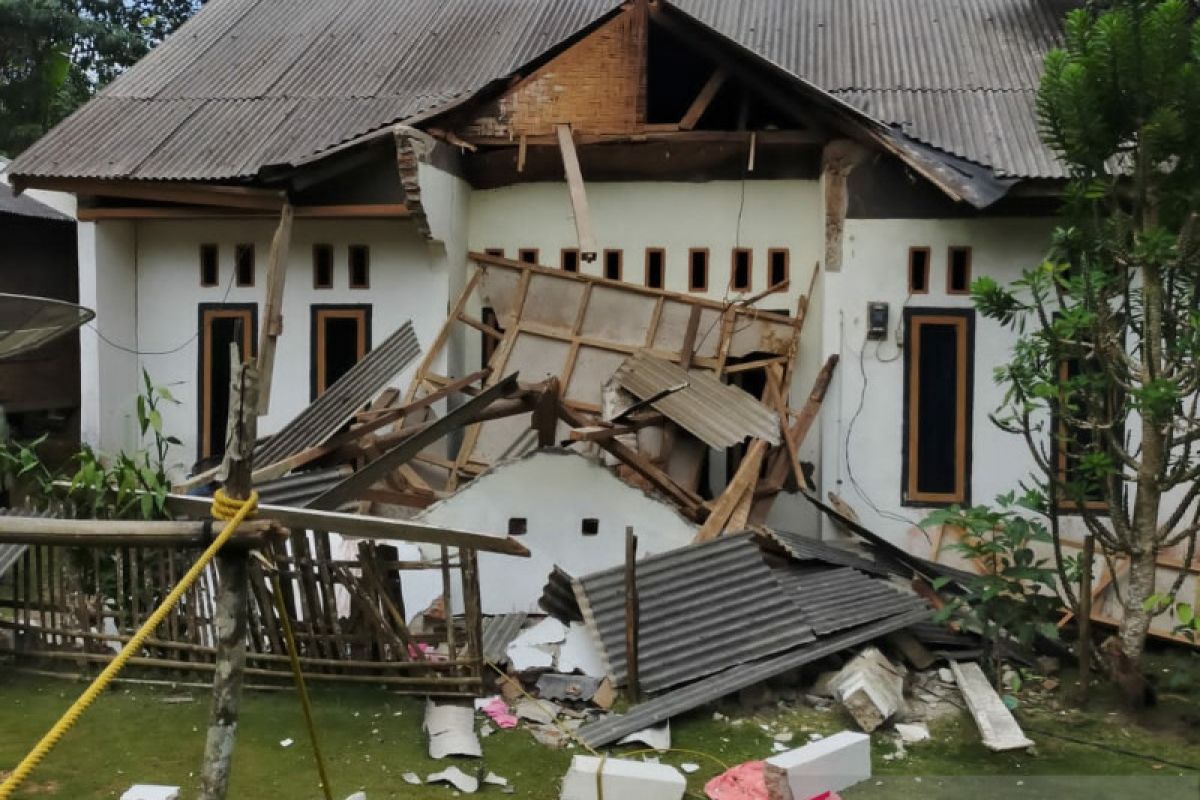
[(54, 54), (1106, 363)]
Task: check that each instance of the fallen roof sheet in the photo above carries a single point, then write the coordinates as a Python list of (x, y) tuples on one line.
[(611, 728), (703, 608), (498, 632), (333, 409), (718, 414), (299, 488), (558, 597), (834, 599), (262, 83), (805, 548)]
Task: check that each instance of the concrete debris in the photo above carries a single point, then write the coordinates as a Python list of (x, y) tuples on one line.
[(286, 742), (358, 796), (996, 723), (451, 730), (657, 737), (457, 778), (492, 779), (548, 631), (541, 711), (553, 686), (579, 653), (526, 657), (829, 765), (912, 732), (151, 791), (411, 778), (591, 778), (946, 675), (871, 688), (549, 736), (689, 767)]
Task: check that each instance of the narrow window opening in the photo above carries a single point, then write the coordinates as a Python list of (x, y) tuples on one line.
[(243, 264), (590, 526), (210, 270), (918, 270), (958, 277), (613, 264), (518, 526), (777, 263), (655, 261), (498, 252), (742, 264), (528, 255), (938, 407), (569, 259), (341, 338), (359, 258), (322, 258), (698, 269)]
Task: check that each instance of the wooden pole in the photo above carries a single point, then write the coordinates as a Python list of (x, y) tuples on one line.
[(233, 591), (631, 616), (1085, 616)]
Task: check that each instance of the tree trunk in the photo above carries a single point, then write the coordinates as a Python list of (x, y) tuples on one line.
[(1138, 590)]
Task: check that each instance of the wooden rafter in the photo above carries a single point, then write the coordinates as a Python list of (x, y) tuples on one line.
[(703, 99), (579, 201)]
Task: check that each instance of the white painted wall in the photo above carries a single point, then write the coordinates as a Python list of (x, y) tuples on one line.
[(554, 490), (875, 267), (108, 373), (405, 284)]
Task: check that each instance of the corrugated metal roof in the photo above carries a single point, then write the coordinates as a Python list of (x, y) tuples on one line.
[(805, 548), (22, 205), (835, 599), (702, 608), (558, 597), (301, 487), (718, 414), (333, 409), (498, 632), (249, 83), (653, 712)]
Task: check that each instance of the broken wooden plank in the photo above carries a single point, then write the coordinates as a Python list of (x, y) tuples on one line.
[(272, 327), (742, 484), (579, 201), (996, 723), (703, 99)]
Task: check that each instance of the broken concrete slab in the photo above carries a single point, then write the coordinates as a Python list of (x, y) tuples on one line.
[(827, 765), (657, 737), (151, 791), (912, 732), (541, 711), (554, 686), (996, 723), (871, 688), (527, 657), (457, 778), (591, 778), (451, 730)]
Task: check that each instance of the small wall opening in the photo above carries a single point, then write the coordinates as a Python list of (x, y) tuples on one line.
[(958, 270), (322, 258), (243, 264), (569, 259), (360, 266), (698, 269), (518, 526), (590, 526), (777, 266), (210, 265), (613, 265), (656, 259), (740, 279), (918, 270), (527, 255), (498, 252)]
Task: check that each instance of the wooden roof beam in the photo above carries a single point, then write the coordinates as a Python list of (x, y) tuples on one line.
[(195, 194)]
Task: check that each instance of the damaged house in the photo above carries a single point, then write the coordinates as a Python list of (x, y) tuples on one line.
[(663, 233)]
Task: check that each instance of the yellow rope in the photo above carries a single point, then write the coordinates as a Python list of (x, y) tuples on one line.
[(232, 513)]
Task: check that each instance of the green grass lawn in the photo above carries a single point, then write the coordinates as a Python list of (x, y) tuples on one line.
[(371, 738)]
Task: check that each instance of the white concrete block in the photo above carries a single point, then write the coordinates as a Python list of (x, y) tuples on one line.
[(827, 765), (624, 779), (150, 791)]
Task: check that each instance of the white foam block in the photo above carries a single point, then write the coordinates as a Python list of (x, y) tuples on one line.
[(626, 779), (827, 765), (150, 791)]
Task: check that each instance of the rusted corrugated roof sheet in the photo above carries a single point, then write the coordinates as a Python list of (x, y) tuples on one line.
[(653, 712), (250, 83), (703, 608), (718, 414), (333, 409)]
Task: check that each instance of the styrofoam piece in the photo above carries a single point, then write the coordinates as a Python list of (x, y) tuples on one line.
[(828, 765), (623, 778), (495, 780), (151, 791), (451, 730), (411, 778), (657, 737), (525, 657), (912, 732), (548, 631), (871, 688), (358, 796), (456, 778), (996, 723), (580, 653)]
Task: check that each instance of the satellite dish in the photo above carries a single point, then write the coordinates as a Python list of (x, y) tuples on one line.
[(27, 323)]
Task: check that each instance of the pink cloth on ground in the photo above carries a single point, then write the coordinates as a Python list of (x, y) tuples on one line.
[(497, 711)]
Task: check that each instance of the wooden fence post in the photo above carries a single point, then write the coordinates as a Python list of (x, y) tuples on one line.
[(233, 590), (631, 617)]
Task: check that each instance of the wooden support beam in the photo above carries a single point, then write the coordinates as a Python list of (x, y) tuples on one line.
[(196, 194), (272, 327), (544, 419), (687, 351), (731, 499), (790, 138), (117, 533), (632, 617), (703, 99), (349, 211), (579, 201), (795, 433)]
